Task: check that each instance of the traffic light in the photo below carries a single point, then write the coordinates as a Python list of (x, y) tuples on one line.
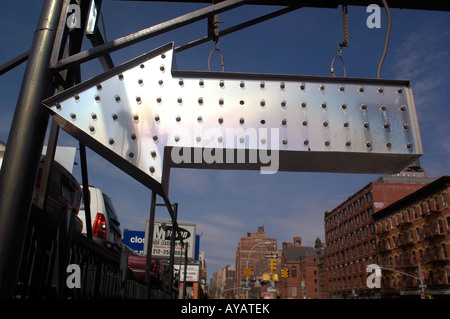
[(273, 265), (285, 272)]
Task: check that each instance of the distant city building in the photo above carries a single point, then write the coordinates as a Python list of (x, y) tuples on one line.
[(223, 283), (299, 270), (252, 252), (413, 241), (350, 234)]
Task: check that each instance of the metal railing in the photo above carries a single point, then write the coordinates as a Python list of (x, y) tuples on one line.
[(49, 249)]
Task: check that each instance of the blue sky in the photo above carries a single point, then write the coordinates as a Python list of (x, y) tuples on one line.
[(226, 205)]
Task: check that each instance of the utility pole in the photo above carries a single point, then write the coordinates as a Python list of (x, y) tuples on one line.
[(24, 148)]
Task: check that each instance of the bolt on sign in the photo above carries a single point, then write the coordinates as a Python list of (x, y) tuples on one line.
[(146, 117)]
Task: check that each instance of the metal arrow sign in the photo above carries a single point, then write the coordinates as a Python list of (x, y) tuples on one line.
[(145, 117)]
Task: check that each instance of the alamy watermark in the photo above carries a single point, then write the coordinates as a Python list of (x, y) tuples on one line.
[(74, 276), (374, 18), (236, 146), (374, 279), (73, 21)]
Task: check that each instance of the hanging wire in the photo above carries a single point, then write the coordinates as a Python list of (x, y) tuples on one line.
[(386, 42), (215, 25), (339, 56), (344, 42), (222, 59)]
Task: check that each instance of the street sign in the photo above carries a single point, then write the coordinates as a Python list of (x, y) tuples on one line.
[(271, 256), (247, 272)]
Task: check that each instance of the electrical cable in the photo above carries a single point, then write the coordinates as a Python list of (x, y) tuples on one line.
[(386, 42)]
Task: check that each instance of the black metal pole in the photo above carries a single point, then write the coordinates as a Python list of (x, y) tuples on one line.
[(24, 147), (185, 268), (149, 242), (86, 192), (172, 245)]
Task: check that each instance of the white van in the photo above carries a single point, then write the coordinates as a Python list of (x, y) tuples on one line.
[(105, 223)]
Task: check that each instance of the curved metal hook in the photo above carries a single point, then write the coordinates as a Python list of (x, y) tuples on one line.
[(222, 59)]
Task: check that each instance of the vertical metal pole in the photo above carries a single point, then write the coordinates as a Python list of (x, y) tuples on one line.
[(24, 147), (86, 192), (149, 241), (48, 165), (172, 245), (185, 244)]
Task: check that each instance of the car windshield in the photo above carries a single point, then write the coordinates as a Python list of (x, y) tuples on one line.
[(110, 208)]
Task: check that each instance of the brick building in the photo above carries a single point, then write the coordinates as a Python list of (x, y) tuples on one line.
[(223, 283), (252, 251), (350, 234), (413, 240), (302, 264)]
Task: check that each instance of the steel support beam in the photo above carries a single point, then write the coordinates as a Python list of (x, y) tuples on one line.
[(24, 147), (145, 34), (434, 5)]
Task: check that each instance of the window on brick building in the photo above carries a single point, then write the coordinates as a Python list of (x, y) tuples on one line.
[(293, 291), (444, 199), (293, 272), (409, 215), (436, 203), (448, 223), (429, 205), (444, 251), (440, 226), (424, 208)]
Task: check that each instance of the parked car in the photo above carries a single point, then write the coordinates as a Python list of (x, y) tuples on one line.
[(105, 222), (137, 265), (63, 192)]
